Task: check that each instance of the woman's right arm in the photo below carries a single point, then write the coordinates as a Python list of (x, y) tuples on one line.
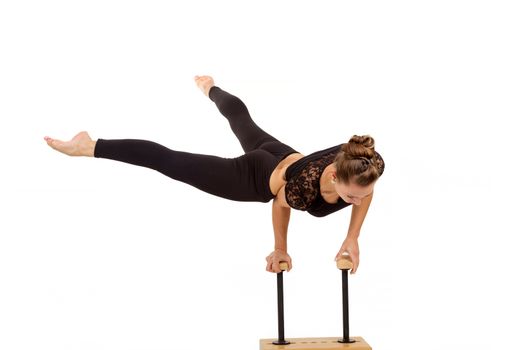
[(280, 219)]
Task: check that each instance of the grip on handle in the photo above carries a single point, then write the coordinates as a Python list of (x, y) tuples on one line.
[(344, 263)]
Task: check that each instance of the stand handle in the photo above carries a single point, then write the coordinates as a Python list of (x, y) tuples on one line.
[(345, 264), (280, 305)]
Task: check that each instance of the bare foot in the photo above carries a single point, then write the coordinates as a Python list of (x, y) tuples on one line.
[(80, 145), (205, 83)]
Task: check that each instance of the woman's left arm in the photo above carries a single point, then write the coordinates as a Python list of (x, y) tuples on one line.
[(350, 244)]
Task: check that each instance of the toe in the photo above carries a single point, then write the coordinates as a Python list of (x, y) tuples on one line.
[(53, 143), (49, 140)]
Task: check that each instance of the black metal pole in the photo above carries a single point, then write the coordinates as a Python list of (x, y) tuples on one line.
[(346, 323), (280, 310)]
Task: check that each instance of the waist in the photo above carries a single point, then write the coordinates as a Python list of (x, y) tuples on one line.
[(277, 179)]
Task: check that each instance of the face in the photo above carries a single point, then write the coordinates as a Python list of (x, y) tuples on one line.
[(353, 193)]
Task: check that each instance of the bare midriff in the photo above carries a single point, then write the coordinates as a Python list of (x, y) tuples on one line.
[(277, 179)]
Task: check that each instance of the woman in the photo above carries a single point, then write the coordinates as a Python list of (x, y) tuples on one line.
[(320, 183)]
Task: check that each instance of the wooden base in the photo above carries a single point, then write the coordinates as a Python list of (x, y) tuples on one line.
[(315, 344)]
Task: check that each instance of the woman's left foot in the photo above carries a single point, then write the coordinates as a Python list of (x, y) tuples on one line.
[(205, 83)]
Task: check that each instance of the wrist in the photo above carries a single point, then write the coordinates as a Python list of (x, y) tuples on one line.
[(353, 235)]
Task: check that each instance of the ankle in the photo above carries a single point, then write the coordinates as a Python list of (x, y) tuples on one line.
[(89, 148), (209, 90)]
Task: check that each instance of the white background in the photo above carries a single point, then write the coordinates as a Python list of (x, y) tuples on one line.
[(96, 254)]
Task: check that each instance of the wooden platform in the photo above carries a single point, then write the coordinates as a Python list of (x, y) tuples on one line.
[(315, 344)]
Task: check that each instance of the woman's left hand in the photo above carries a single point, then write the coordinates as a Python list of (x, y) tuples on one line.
[(350, 247)]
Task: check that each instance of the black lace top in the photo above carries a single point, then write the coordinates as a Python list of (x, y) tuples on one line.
[(302, 189)]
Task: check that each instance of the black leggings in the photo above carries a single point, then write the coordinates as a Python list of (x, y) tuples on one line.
[(245, 178)]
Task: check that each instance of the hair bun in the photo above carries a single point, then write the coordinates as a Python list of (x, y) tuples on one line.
[(360, 147), (365, 140)]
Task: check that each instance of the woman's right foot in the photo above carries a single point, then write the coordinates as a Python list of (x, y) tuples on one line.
[(205, 83), (80, 145)]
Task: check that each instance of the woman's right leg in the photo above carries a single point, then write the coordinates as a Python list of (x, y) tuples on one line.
[(244, 178)]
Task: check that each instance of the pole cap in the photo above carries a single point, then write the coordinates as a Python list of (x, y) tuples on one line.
[(283, 265), (344, 263)]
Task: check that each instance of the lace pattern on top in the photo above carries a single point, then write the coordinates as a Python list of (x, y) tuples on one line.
[(302, 190)]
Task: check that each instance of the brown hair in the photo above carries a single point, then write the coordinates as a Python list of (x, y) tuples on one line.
[(357, 161)]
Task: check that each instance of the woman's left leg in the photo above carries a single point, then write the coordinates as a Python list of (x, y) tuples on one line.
[(249, 134)]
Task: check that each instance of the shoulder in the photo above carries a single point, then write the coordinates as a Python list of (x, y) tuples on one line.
[(302, 189), (302, 176)]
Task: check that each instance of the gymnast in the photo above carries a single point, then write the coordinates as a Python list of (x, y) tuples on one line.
[(320, 183)]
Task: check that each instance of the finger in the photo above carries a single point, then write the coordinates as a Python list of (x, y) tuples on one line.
[(338, 255), (275, 267), (269, 266), (341, 252), (355, 263)]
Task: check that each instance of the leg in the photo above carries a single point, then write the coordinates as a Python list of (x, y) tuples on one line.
[(249, 134), (245, 178)]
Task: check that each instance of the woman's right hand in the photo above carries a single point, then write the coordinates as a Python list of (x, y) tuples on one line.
[(273, 260)]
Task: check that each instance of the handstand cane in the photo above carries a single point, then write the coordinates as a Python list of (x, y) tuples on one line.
[(280, 305), (344, 264)]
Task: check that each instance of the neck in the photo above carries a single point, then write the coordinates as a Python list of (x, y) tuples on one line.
[(325, 182)]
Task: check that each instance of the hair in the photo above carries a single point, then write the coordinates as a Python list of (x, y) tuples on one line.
[(357, 162)]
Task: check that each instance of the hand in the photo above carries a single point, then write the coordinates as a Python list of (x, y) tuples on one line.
[(350, 247), (273, 260)]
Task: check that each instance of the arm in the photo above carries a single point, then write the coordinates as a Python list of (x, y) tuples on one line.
[(280, 220), (358, 216), (350, 244)]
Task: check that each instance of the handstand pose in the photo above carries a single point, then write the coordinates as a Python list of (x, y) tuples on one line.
[(320, 183)]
